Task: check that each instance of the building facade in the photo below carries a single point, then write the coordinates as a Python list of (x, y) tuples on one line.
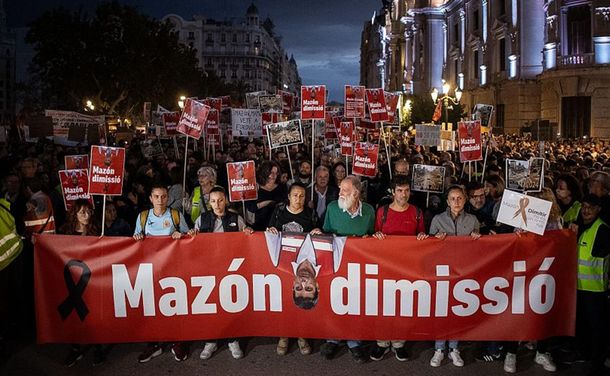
[(240, 50), (7, 71), (534, 60)]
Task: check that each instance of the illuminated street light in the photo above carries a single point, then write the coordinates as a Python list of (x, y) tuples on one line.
[(89, 105), (181, 101), (446, 98)]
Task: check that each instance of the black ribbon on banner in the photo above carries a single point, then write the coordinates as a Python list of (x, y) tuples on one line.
[(74, 301)]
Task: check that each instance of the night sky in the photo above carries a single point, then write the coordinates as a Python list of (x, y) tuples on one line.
[(323, 35)]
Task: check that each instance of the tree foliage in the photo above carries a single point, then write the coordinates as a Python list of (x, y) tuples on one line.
[(117, 57)]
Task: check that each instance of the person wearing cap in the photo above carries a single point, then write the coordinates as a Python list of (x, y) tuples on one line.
[(200, 199), (592, 288)]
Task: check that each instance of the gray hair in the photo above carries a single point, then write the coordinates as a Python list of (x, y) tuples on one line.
[(602, 177), (321, 168), (207, 171), (355, 182)]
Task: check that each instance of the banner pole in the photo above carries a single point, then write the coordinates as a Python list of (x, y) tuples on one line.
[(427, 198), (103, 216), (186, 147), (387, 150), (313, 144), (469, 170), (243, 207), (290, 162), (485, 160), (214, 151)]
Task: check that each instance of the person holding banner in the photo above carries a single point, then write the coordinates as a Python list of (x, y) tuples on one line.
[(453, 222), (161, 221), (219, 219)]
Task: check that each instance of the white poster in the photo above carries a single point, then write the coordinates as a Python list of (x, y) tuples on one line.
[(525, 212), (427, 135), (246, 122)]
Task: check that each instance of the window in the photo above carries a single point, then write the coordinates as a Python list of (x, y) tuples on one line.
[(191, 35), (247, 38), (455, 69), (475, 20), (223, 38), (210, 37), (501, 7), (502, 55), (222, 74), (456, 33), (233, 74), (579, 30), (234, 38)]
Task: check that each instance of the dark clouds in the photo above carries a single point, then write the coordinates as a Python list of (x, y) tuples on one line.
[(323, 35)]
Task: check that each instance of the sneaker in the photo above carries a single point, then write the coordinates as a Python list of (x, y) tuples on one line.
[(99, 357), (236, 350), (74, 356), (180, 351), (304, 346), (437, 358), (485, 356), (378, 352), (401, 353), (358, 354), (455, 357), (328, 350), (151, 351), (208, 350), (282, 346), (510, 363), (545, 360)]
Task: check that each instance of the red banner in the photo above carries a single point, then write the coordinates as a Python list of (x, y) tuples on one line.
[(346, 134), (170, 122), (287, 102), (469, 133), (377, 108), (313, 102), (112, 290), (354, 101), (242, 181), (365, 159), (76, 162), (193, 118), (391, 102), (74, 186), (107, 170)]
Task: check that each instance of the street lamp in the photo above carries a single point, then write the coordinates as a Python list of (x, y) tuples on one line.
[(446, 98), (89, 105), (181, 101)]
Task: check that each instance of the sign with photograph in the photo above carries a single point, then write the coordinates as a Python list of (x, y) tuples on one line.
[(377, 107), (76, 162), (447, 141), (313, 102), (391, 102), (346, 134), (525, 175), (74, 186), (427, 178), (287, 101), (107, 171), (483, 113), (252, 99), (246, 122), (365, 159), (470, 141), (524, 212), (285, 133), (242, 181), (193, 118), (268, 118), (354, 101), (271, 103), (427, 134)]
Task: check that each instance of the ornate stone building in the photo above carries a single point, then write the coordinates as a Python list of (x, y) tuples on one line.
[(7, 71), (533, 60), (240, 50)]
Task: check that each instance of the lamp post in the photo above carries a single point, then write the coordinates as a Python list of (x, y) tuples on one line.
[(89, 105), (181, 101), (446, 98)]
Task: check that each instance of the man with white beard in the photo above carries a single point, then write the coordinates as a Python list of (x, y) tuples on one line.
[(348, 216)]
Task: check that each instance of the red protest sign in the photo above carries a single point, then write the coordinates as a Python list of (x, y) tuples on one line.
[(193, 118), (242, 181), (107, 170), (469, 133), (366, 123), (212, 122), (313, 102), (391, 102), (287, 101), (354, 101), (225, 101), (346, 133), (170, 122), (74, 186), (268, 118), (214, 103), (376, 101), (76, 162), (365, 159), (213, 139)]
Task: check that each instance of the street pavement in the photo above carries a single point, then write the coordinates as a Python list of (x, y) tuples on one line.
[(26, 358)]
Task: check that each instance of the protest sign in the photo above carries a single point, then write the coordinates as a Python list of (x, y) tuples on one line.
[(252, 100), (287, 101), (268, 118), (271, 103), (76, 162), (377, 107), (242, 181), (427, 134), (525, 175), (447, 141), (246, 122), (346, 135), (107, 171), (212, 123), (192, 120), (313, 102), (365, 159), (170, 122), (524, 212), (427, 178), (483, 113), (74, 186), (80, 125), (285, 133), (354, 101), (469, 133), (391, 102), (213, 103)]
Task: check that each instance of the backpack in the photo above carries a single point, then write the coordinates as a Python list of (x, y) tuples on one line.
[(385, 216), (175, 219)]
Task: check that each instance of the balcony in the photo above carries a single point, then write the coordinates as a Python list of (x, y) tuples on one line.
[(581, 60)]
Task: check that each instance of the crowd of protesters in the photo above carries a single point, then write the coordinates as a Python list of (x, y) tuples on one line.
[(576, 181)]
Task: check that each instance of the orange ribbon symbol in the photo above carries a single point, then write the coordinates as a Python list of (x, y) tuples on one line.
[(523, 202)]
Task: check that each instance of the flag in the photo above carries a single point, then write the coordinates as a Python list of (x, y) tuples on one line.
[(437, 111)]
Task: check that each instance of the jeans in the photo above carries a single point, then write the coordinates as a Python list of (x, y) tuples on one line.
[(440, 344), (350, 343)]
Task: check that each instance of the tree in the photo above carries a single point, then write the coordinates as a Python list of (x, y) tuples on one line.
[(118, 58)]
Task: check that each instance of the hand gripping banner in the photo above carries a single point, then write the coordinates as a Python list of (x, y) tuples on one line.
[(109, 290)]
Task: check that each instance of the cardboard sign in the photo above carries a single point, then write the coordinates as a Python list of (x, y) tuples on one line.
[(193, 118), (365, 159), (427, 178), (74, 186), (346, 137), (525, 212), (246, 122), (271, 103), (427, 134), (469, 133), (483, 113), (377, 108), (447, 141), (313, 102), (212, 122), (107, 170), (76, 162), (287, 101), (525, 175), (391, 102), (252, 99), (242, 181), (354, 101), (285, 133)]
